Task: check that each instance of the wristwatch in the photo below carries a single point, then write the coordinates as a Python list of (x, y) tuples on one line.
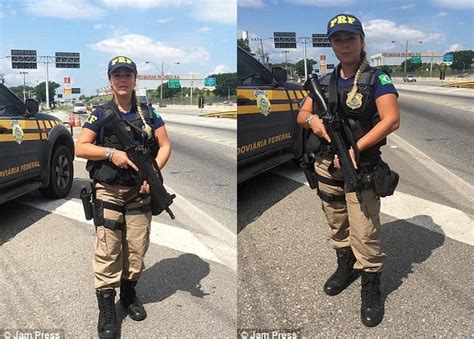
[(308, 119), (109, 153)]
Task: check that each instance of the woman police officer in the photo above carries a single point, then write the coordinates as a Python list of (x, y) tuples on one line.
[(367, 98), (122, 235)]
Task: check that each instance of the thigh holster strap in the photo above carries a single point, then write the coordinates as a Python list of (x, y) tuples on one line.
[(113, 207), (113, 224), (330, 197), (331, 182), (145, 208)]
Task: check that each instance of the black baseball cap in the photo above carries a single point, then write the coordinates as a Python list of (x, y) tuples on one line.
[(119, 62), (344, 22)]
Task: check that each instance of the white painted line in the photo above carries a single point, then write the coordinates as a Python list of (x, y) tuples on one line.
[(161, 234), (451, 222), (462, 187)]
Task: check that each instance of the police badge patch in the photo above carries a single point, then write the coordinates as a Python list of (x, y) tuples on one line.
[(17, 131), (263, 103), (356, 101)]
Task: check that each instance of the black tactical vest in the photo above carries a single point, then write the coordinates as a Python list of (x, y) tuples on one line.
[(105, 171), (363, 115)]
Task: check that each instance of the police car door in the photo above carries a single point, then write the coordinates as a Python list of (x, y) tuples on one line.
[(20, 141), (265, 117)]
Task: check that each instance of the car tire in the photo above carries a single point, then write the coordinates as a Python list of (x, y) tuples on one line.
[(61, 174)]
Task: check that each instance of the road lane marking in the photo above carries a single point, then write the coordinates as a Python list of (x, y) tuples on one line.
[(451, 222), (169, 236)]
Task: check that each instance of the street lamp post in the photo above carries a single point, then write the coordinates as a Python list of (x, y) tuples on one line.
[(406, 53), (162, 75)]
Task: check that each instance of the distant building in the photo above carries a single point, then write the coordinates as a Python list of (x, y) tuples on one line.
[(396, 58)]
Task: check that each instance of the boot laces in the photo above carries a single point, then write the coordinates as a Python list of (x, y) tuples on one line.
[(344, 265), (371, 293), (107, 308)]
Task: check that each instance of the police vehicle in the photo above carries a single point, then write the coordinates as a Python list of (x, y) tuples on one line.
[(267, 106), (36, 150)]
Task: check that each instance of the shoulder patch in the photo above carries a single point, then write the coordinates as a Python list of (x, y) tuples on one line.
[(91, 119), (385, 79)]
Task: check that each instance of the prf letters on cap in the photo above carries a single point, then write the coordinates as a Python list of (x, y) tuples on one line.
[(342, 19)]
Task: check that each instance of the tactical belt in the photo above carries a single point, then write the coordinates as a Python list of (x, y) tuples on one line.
[(330, 182), (330, 197)]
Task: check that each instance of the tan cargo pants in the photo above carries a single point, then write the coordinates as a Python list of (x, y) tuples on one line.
[(352, 223), (119, 254)]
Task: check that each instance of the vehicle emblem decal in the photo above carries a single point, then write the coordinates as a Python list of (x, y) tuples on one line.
[(17, 131), (263, 103)]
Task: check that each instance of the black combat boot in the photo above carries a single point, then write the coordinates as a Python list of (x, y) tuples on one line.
[(107, 324), (372, 309), (345, 273), (129, 300)]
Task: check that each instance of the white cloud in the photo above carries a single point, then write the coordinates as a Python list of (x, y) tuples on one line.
[(440, 14), (455, 47), (251, 3), (380, 33), (224, 11), (323, 3), (408, 6), (79, 9), (220, 69), (204, 29), (145, 3), (164, 20), (455, 4), (141, 48)]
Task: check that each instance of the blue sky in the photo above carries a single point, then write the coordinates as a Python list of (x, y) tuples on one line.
[(200, 35), (441, 25)]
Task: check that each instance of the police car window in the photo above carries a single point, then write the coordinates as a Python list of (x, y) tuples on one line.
[(7, 106), (249, 74)]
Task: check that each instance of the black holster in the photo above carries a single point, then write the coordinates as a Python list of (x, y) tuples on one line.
[(86, 197), (385, 179)]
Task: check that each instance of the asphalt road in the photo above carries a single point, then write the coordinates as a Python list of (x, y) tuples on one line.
[(189, 284), (285, 257)]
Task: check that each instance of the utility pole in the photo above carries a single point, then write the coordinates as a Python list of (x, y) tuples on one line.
[(47, 83), (305, 60), (24, 85), (161, 87), (286, 60)]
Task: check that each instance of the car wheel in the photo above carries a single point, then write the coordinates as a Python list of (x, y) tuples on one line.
[(61, 174)]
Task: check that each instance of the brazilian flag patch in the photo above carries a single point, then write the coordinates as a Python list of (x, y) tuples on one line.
[(385, 79), (155, 113)]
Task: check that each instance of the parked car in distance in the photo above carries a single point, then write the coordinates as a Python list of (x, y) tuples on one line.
[(409, 78), (79, 107)]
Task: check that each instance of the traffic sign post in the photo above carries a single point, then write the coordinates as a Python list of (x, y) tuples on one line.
[(284, 39), (321, 40), (210, 82)]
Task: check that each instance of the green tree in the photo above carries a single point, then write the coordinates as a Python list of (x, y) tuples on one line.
[(299, 66), (40, 91), (244, 44), (462, 60), (225, 84), (411, 67)]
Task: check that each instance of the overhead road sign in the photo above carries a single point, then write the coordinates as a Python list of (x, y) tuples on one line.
[(415, 59), (210, 82), (174, 83), (284, 39), (448, 59), (321, 40), (75, 90), (67, 60), (24, 59)]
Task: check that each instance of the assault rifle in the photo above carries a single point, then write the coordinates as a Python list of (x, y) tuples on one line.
[(340, 134), (148, 169)]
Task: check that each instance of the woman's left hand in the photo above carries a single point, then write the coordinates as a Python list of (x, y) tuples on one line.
[(337, 165), (144, 188)]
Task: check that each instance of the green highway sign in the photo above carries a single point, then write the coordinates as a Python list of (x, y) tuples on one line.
[(416, 59), (174, 83)]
